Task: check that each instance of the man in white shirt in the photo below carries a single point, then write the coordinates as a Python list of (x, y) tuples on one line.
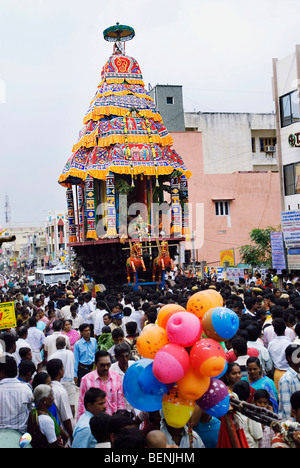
[(84, 310), (278, 345), (252, 306), (67, 358), (55, 369), (50, 341), (89, 301), (76, 319), (250, 279), (289, 383), (126, 302), (16, 399), (96, 316), (127, 311), (46, 298), (8, 343), (21, 343), (91, 308), (65, 310), (269, 333), (180, 436), (36, 339), (136, 317), (254, 332), (239, 346)]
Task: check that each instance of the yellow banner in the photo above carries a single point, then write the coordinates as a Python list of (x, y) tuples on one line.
[(227, 256), (7, 315)]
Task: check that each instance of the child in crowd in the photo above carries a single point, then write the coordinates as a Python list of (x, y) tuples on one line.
[(253, 430), (261, 398)]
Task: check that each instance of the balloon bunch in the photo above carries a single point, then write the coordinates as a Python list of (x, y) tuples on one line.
[(183, 359)]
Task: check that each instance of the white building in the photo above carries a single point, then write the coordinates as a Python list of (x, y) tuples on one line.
[(38, 246), (29, 248), (231, 141), (235, 141), (57, 235), (286, 85)]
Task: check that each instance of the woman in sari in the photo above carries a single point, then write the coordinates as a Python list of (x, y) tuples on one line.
[(42, 426), (257, 381), (232, 376), (72, 334)]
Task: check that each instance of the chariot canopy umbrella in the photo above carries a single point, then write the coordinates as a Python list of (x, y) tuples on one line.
[(118, 33)]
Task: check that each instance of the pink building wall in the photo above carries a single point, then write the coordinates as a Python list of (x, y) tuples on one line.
[(254, 201)]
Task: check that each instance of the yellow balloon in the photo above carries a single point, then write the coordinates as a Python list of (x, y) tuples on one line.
[(177, 410), (200, 302)]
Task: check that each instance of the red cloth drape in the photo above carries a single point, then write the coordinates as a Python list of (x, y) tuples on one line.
[(229, 436)]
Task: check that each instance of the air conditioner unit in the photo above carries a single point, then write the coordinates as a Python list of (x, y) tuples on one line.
[(270, 149)]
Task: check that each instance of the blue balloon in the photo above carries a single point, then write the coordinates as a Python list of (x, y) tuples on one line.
[(225, 322), (149, 383), (133, 391), (220, 409)]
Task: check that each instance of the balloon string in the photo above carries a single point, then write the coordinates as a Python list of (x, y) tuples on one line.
[(190, 433)]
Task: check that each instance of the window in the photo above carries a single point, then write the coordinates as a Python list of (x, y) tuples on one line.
[(170, 100), (291, 175), (191, 129), (222, 208), (253, 145), (289, 108), (264, 142), (60, 232)]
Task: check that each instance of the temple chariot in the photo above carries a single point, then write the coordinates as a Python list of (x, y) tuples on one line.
[(126, 186)]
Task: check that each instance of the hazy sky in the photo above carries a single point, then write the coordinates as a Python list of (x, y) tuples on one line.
[(52, 52)]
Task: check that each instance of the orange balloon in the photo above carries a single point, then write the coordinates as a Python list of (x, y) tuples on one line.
[(200, 302), (165, 313), (151, 340), (193, 385)]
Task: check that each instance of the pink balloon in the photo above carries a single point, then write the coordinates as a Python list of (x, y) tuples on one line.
[(184, 329), (171, 363)]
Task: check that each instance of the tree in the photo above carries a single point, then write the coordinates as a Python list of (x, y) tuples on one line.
[(259, 252)]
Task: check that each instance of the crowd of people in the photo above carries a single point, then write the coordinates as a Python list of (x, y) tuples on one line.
[(62, 366)]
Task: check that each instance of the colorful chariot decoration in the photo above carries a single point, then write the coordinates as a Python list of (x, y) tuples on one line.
[(124, 150)]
